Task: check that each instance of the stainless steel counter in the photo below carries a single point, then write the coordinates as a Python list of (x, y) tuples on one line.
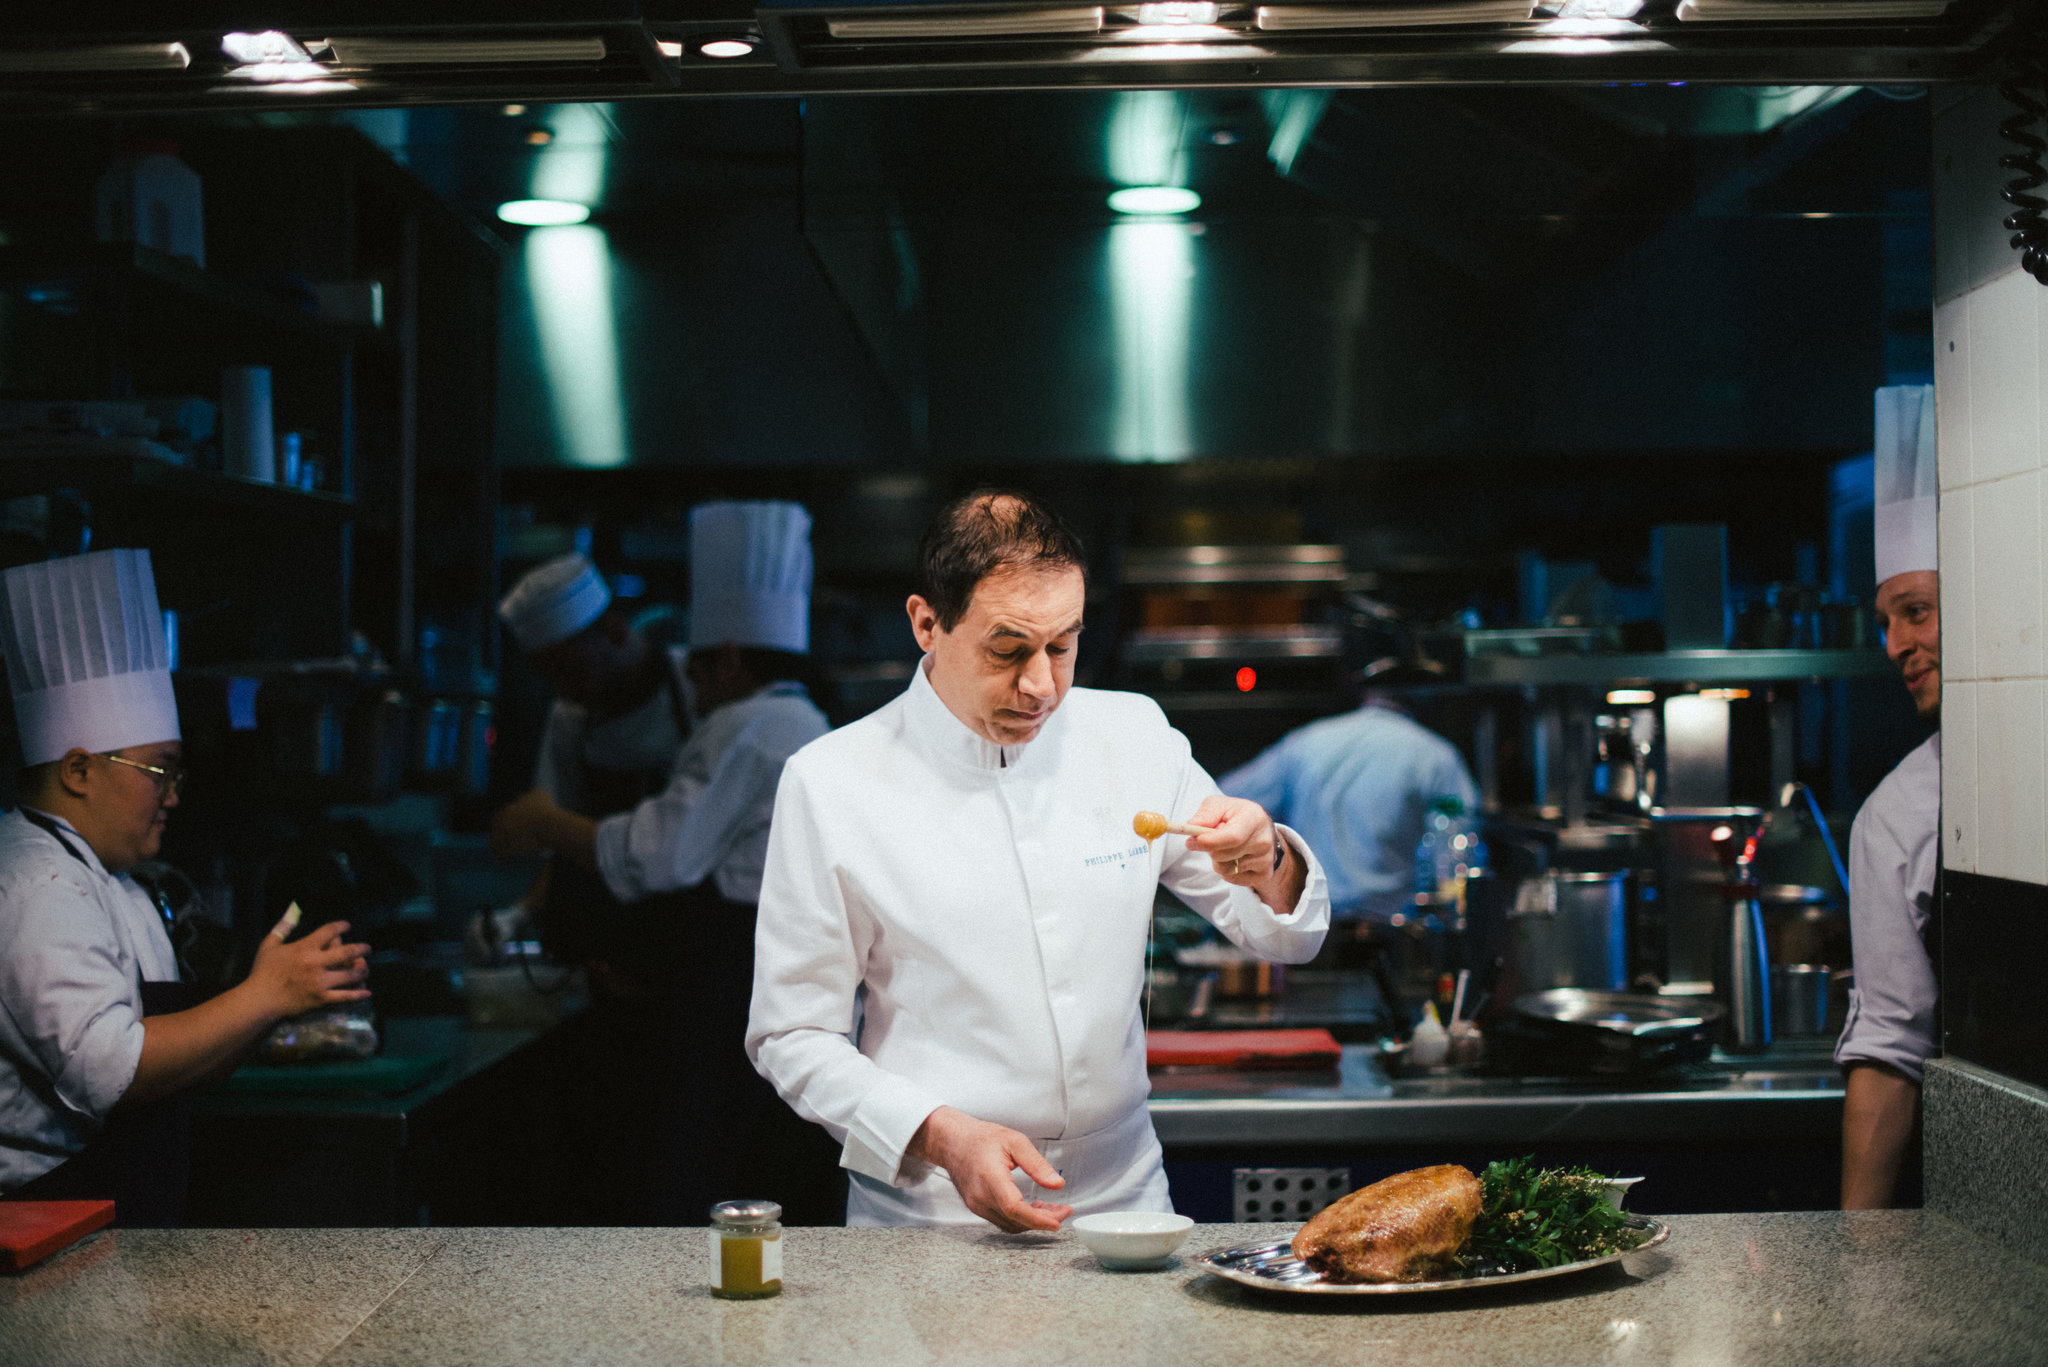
[(1794, 1093)]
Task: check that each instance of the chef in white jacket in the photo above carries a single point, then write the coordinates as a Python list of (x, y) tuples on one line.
[(1894, 847), (621, 712), (675, 875), (955, 909), (99, 1036)]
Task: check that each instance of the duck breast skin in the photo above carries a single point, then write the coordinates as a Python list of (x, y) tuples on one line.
[(1404, 1228)]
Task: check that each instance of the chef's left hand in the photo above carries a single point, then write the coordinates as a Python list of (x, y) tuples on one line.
[(1248, 850), (525, 826)]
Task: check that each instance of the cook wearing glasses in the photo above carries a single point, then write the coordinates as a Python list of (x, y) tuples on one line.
[(100, 1038)]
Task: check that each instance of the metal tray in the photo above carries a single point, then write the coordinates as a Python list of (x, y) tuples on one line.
[(1273, 1267)]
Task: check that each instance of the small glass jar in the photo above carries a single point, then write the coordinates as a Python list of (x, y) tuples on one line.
[(746, 1250)]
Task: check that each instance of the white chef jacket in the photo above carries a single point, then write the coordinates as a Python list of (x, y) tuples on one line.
[(712, 818), (1894, 851), (645, 739), (1358, 788), (75, 943), (945, 921)]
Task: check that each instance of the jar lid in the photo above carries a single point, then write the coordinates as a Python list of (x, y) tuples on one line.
[(745, 1213)]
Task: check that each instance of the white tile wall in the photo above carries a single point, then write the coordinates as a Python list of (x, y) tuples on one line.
[(2005, 576), (2012, 765), (1991, 393), (1958, 586), (1952, 391), (1959, 776), (2005, 377)]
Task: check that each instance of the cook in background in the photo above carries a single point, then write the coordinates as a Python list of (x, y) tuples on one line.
[(1358, 788), (669, 876), (955, 909), (621, 712), (1894, 851), (100, 1034)]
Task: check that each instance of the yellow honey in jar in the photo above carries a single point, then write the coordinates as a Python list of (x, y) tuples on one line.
[(746, 1250)]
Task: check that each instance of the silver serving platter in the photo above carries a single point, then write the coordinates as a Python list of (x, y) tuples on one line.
[(1273, 1267)]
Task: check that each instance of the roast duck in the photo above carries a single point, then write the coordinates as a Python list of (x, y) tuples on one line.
[(1406, 1228)]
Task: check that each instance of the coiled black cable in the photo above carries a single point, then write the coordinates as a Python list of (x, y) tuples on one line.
[(2026, 89)]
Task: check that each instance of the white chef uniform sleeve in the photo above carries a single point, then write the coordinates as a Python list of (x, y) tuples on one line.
[(554, 769), (1292, 936), (69, 996), (1891, 1004), (677, 837), (810, 945)]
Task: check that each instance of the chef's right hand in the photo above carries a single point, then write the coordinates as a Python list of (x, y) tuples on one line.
[(979, 1156), (317, 970)]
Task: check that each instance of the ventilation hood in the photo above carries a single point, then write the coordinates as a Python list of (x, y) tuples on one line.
[(185, 56)]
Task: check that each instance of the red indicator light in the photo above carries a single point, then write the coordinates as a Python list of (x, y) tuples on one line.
[(1247, 679)]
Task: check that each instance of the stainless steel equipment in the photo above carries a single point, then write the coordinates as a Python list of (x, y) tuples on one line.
[(1570, 1031), (1571, 930), (1744, 984), (1799, 999)]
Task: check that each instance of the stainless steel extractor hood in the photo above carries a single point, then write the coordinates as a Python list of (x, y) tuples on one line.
[(363, 52)]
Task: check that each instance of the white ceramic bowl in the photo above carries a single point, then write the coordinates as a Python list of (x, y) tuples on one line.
[(1131, 1240), (1617, 1189)]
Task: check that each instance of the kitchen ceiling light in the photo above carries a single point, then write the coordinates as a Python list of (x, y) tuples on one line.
[(1630, 697), (727, 47), (1281, 18), (1003, 23), (543, 213), (1178, 12), (1155, 199), (99, 57), (667, 49), (463, 51)]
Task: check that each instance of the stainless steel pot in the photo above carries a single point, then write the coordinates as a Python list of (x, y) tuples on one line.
[(1799, 999), (1571, 930)]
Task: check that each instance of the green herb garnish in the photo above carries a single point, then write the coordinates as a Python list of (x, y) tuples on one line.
[(1533, 1217)]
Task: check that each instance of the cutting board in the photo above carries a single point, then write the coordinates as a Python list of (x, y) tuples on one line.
[(31, 1231), (383, 1076), (1241, 1049)]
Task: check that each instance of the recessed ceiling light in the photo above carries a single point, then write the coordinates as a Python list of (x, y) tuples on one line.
[(539, 137), (1155, 199), (542, 213), (1178, 12), (669, 49), (513, 111), (727, 47)]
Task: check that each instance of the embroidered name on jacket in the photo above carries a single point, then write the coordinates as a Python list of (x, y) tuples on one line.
[(1118, 857)]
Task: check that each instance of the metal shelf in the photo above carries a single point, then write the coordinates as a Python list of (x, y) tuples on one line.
[(1679, 666), (1235, 643), (131, 466)]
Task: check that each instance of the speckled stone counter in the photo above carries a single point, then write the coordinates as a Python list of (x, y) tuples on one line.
[(1896, 1287)]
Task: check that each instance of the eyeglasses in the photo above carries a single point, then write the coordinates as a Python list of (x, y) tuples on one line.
[(170, 779)]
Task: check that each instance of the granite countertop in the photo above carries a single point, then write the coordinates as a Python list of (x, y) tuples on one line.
[(1892, 1287)]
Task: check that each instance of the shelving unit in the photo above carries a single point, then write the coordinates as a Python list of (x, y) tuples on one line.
[(263, 572), (1706, 668)]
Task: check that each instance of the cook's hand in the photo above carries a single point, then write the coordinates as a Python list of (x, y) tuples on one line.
[(320, 969), (524, 826), (979, 1156), (1248, 850)]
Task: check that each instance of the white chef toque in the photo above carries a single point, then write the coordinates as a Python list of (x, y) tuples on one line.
[(1906, 480), (554, 601), (750, 576), (86, 658)]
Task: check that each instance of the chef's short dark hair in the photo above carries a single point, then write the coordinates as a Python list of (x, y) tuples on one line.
[(986, 531)]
